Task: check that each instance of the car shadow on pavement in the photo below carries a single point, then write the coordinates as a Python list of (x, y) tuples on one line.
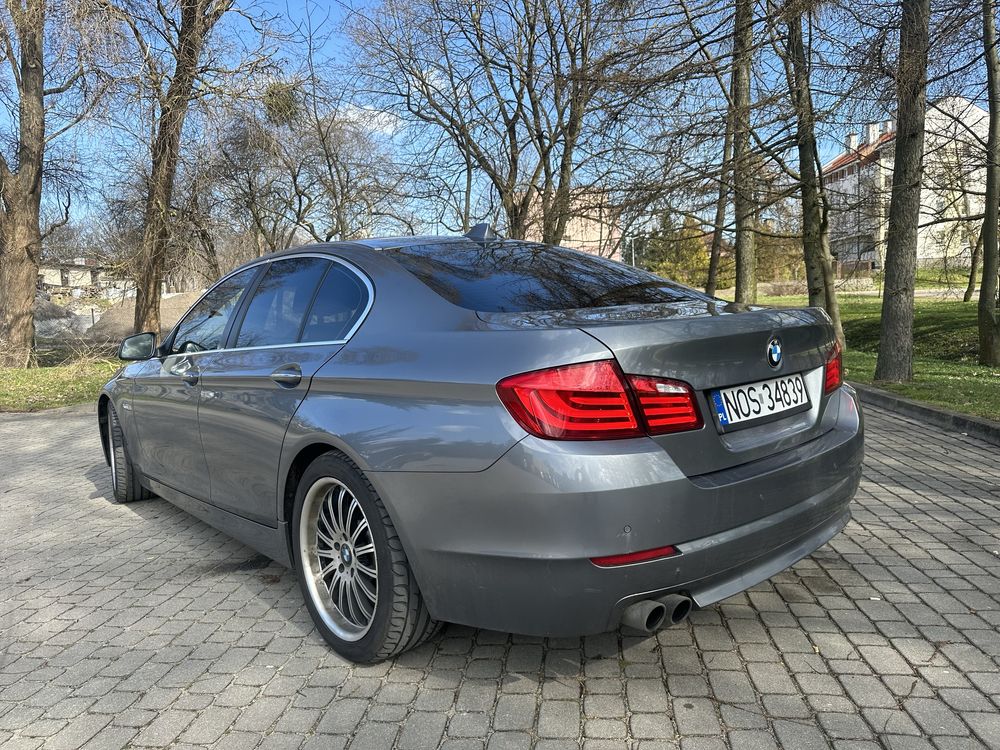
[(100, 476), (483, 651)]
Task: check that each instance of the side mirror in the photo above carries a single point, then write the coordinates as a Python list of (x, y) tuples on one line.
[(138, 347)]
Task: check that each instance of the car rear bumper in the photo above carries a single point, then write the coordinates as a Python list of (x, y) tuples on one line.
[(509, 548)]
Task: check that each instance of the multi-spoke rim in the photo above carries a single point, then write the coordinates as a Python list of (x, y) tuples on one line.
[(337, 552)]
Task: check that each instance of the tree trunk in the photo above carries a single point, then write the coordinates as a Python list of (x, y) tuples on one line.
[(467, 199), (989, 314), (743, 177), (517, 209), (832, 304), (22, 243), (977, 251), (715, 253), (22, 195), (815, 228), (194, 27), (895, 356)]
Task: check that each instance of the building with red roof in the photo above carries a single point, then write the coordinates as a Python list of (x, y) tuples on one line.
[(858, 184)]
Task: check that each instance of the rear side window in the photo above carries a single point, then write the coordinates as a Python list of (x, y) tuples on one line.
[(203, 327), (278, 307), (517, 276), (341, 300)]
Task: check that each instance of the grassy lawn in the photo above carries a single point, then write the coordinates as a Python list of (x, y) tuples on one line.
[(940, 278), (48, 387), (945, 339)]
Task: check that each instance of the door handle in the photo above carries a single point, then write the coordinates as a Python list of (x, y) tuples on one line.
[(185, 371), (287, 376)]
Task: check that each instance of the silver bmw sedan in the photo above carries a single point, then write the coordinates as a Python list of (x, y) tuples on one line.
[(490, 432)]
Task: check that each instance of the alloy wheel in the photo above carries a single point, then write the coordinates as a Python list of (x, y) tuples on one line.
[(338, 557)]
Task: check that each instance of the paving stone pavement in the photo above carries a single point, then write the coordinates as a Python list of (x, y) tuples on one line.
[(137, 625)]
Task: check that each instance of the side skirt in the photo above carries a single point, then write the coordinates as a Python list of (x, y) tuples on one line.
[(265, 539)]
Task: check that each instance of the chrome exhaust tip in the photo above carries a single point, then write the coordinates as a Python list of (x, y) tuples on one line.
[(647, 615), (677, 608), (651, 615)]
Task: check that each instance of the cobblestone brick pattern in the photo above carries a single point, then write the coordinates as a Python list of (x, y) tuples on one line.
[(139, 626)]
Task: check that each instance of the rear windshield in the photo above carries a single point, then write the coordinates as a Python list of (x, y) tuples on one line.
[(516, 276)]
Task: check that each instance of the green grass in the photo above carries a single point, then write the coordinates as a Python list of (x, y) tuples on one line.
[(48, 387), (960, 386), (932, 277), (945, 343), (939, 278)]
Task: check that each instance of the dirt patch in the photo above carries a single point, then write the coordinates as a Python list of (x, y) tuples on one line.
[(116, 322)]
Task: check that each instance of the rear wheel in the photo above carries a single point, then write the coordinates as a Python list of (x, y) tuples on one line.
[(124, 478), (354, 575)]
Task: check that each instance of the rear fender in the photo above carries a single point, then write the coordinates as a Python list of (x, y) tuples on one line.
[(427, 401)]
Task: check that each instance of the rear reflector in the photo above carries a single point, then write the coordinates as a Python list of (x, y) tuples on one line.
[(834, 373), (576, 402), (596, 401), (634, 557), (667, 405)]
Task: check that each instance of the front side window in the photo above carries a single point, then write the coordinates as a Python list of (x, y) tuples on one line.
[(278, 307), (203, 327)]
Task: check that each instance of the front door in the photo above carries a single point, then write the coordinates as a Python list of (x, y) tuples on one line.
[(167, 391), (294, 322)]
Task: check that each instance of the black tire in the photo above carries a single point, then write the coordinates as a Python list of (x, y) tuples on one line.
[(125, 486), (400, 620)]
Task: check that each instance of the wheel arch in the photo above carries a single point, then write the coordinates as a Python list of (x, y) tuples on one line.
[(102, 423), (293, 475), (308, 452)]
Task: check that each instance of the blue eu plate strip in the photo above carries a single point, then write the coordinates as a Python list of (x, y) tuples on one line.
[(720, 408)]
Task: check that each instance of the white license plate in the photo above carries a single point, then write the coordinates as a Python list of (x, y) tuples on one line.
[(744, 403)]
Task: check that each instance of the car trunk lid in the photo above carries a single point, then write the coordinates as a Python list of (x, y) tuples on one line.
[(711, 345)]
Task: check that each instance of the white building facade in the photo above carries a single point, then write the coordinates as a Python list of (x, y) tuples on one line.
[(858, 184)]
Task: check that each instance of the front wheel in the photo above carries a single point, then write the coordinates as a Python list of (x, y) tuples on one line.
[(125, 484), (354, 575)]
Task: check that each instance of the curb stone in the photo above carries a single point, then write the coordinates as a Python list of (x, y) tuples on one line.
[(89, 407), (977, 427)]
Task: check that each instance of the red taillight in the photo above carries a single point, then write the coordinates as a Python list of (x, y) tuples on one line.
[(834, 374), (634, 557), (667, 405), (576, 402), (591, 401)]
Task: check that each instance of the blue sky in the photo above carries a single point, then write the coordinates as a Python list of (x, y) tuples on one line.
[(91, 142)]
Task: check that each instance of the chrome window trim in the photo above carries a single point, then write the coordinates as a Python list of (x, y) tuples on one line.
[(325, 256)]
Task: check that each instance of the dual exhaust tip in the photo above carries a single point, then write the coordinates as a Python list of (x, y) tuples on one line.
[(650, 615)]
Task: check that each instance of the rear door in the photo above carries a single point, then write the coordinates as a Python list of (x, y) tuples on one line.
[(297, 317), (167, 390)]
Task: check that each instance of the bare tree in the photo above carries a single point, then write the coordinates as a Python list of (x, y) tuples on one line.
[(316, 171), (815, 208), (197, 19), (989, 307), (177, 59), (895, 356), (744, 204), (974, 259), (48, 66), (514, 89), (722, 203)]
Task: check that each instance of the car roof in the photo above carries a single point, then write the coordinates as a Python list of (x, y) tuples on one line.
[(375, 243), (371, 243)]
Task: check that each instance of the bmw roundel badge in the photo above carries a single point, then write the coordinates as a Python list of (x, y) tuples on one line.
[(774, 352)]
